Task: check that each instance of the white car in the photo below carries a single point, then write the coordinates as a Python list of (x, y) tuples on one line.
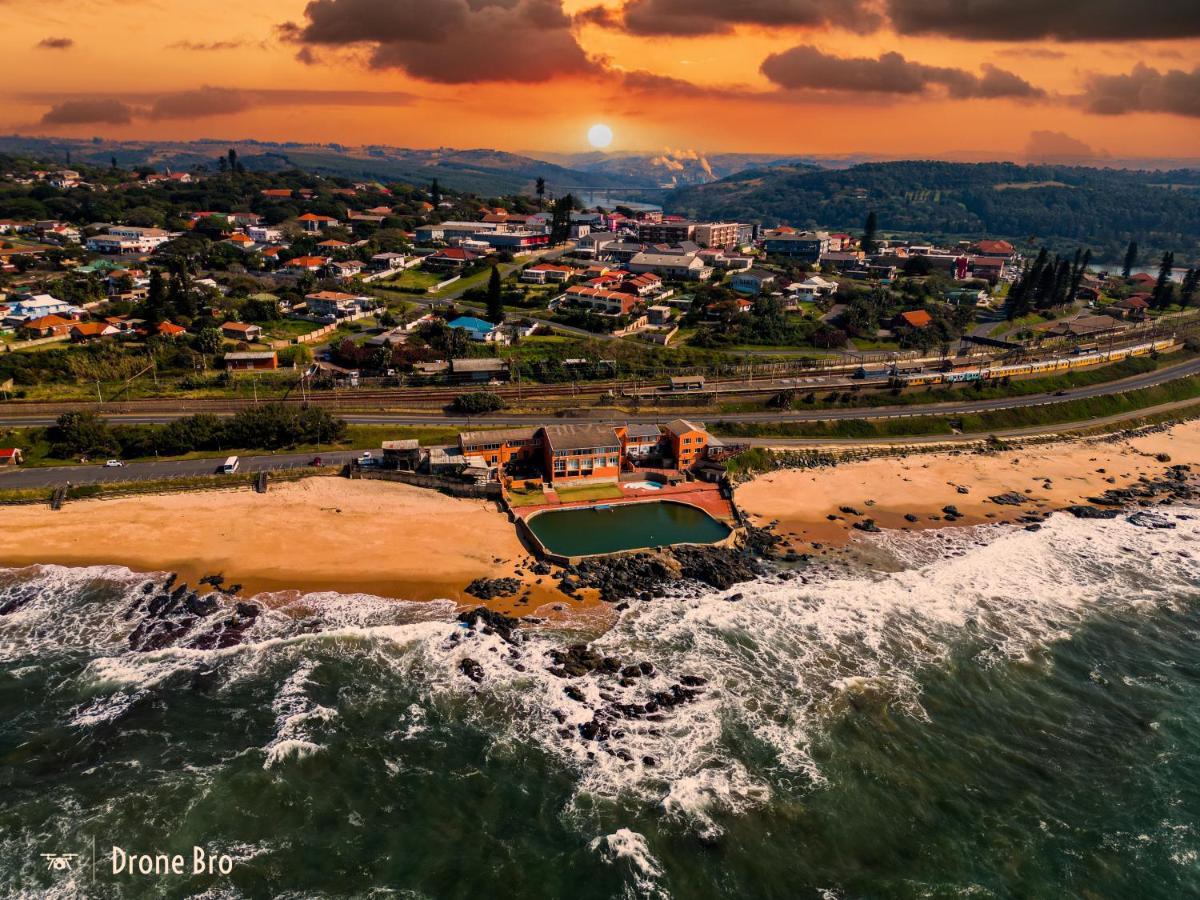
[(366, 455), (114, 464)]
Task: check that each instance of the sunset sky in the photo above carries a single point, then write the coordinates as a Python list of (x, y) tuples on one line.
[(897, 77)]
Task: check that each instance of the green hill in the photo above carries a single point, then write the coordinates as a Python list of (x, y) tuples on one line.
[(1061, 206)]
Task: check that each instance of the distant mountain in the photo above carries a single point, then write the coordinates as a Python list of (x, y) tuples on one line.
[(484, 172), (670, 168), (1059, 205)]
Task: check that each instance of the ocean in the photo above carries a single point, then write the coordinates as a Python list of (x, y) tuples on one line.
[(980, 713)]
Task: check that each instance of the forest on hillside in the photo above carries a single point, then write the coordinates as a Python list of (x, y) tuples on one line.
[(1063, 207)]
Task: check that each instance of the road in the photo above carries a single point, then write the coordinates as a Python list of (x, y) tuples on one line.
[(16, 479)]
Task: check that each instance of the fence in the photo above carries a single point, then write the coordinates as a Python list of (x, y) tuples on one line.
[(453, 486)]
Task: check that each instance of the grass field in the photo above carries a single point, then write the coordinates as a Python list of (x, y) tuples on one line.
[(589, 492), (412, 278), (1069, 411), (534, 497)]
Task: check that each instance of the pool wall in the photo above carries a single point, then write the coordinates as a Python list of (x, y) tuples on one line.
[(522, 523)]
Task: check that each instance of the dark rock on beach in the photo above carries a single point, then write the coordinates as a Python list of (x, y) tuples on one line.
[(491, 588)]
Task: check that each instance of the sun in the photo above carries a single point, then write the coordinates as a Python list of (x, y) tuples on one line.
[(600, 136)]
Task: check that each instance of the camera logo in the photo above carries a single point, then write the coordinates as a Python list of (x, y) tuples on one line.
[(59, 862)]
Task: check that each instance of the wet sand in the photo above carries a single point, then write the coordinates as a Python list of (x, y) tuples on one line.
[(1050, 476), (318, 534)]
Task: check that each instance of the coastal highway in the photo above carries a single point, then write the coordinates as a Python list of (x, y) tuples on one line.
[(98, 473), (11, 479), (10, 416)]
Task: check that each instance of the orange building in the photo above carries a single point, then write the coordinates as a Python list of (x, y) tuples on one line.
[(499, 447), (578, 453), (687, 441)]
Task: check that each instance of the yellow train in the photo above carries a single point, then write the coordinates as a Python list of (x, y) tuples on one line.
[(1091, 357)]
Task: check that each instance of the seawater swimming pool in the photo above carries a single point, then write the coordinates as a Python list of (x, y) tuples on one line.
[(586, 531), (643, 485)]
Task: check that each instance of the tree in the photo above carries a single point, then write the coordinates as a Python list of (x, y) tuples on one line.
[(82, 434), (560, 219), (1131, 255), (869, 231), (1164, 291), (540, 188), (208, 340), (478, 402), (156, 299), (233, 160), (495, 305), (435, 193), (1191, 281)]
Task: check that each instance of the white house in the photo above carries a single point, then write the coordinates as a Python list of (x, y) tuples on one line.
[(39, 305)]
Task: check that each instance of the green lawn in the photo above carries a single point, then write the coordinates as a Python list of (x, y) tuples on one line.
[(526, 497), (589, 492), (413, 278)]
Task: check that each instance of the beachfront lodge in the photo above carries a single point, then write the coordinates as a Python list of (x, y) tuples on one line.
[(590, 453)]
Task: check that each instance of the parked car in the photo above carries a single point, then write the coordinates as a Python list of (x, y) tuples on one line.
[(365, 456), (114, 464)]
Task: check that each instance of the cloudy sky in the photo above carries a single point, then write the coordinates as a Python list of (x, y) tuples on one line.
[(903, 77)]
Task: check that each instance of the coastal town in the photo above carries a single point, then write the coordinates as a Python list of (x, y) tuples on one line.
[(282, 308)]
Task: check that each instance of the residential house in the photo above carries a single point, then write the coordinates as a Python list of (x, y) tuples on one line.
[(478, 329), (169, 330), (265, 234), (84, 332), (451, 258), (602, 301), (35, 305), (335, 304), (242, 331), (46, 326), (546, 272), (913, 318), (11, 456), (383, 262), (752, 281), (312, 222), (307, 263)]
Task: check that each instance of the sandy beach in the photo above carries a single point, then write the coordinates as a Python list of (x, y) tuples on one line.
[(319, 534), (395, 540), (1051, 476)]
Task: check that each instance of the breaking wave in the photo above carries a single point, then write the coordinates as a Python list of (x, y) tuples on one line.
[(777, 660)]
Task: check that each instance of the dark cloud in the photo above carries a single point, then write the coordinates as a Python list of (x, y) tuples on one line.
[(693, 17), (1031, 53), (1057, 147), (205, 101), (202, 102), (807, 68), (1144, 90), (213, 46), (56, 43), (1063, 20), (88, 112), (450, 41)]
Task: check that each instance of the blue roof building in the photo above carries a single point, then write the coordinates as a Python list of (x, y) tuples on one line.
[(477, 328)]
